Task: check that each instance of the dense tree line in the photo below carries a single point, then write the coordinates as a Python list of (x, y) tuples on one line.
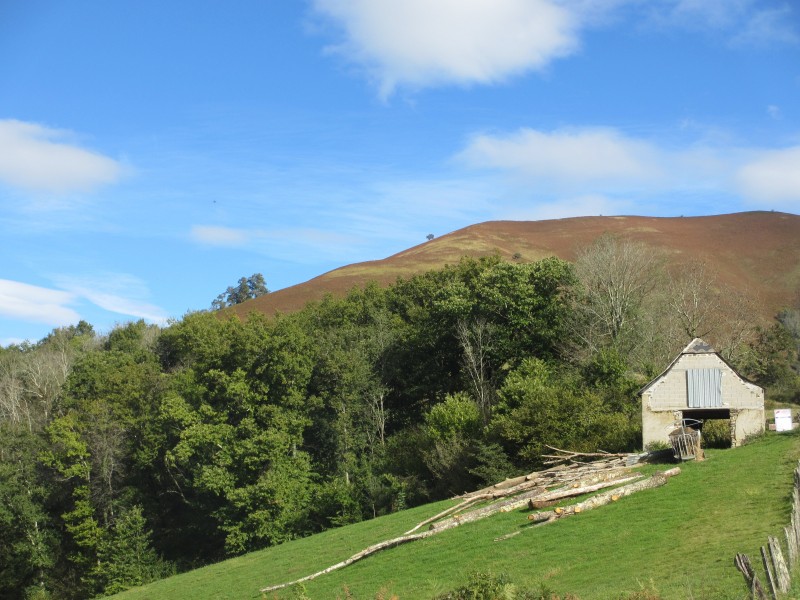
[(127, 457)]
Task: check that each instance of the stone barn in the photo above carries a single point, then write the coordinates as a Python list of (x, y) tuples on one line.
[(700, 385)]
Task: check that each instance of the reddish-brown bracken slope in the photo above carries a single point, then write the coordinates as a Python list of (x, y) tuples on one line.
[(755, 251)]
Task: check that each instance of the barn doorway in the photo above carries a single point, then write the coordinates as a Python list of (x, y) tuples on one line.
[(715, 426)]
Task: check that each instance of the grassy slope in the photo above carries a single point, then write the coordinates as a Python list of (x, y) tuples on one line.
[(680, 539)]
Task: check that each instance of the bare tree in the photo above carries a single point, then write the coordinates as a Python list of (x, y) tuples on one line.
[(379, 412), (693, 298), (13, 404), (706, 308), (475, 337), (617, 277), (737, 324), (30, 383)]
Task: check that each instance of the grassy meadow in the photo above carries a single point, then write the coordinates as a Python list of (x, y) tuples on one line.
[(678, 540)]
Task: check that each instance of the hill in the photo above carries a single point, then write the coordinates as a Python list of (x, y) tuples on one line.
[(754, 251), (678, 541)]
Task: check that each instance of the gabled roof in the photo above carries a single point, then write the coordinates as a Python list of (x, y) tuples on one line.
[(696, 346)]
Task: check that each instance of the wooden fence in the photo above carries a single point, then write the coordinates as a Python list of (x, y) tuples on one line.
[(776, 568)]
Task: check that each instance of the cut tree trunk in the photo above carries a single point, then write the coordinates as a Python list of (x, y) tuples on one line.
[(356, 557), (656, 480)]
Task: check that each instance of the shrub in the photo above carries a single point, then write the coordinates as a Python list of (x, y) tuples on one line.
[(488, 586), (717, 433)]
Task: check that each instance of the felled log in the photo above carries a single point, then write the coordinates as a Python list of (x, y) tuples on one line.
[(512, 485), (560, 494), (560, 474), (656, 480), (565, 455), (593, 483), (449, 511), (479, 513), (356, 557)]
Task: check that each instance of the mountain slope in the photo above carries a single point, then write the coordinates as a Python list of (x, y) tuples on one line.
[(755, 251)]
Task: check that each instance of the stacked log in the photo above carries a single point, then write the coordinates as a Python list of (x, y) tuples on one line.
[(656, 480)]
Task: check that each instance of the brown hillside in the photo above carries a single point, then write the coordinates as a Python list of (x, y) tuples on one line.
[(755, 251)]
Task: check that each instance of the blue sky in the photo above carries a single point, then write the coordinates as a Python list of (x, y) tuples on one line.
[(151, 153)]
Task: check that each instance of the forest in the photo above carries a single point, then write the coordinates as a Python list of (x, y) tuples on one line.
[(147, 451)]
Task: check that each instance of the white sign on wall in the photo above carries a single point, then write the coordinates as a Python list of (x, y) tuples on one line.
[(783, 419)]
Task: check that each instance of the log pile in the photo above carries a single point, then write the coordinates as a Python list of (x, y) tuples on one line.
[(656, 480), (572, 474)]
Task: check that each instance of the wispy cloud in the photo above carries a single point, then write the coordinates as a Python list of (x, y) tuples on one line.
[(296, 244), (40, 159), (38, 304), (743, 22), (419, 43), (769, 27), (214, 235), (115, 292), (717, 14)]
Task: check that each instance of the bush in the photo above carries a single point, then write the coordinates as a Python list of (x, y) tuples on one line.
[(481, 586), (488, 586), (541, 404), (717, 433)]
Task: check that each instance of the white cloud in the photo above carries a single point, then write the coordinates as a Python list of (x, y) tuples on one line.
[(421, 43), (33, 303), (219, 236), (424, 43), (598, 164), (32, 157), (115, 292), (581, 155), (772, 176), (580, 206)]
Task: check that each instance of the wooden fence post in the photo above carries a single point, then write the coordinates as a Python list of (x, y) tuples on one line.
[(742, 562), (791, 546), (782, 576), (768, 570), (795, 525)]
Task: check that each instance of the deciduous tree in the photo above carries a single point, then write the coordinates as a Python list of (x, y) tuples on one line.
[(246, 289)]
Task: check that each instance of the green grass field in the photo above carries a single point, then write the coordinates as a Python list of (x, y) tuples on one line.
[(678, 540)]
